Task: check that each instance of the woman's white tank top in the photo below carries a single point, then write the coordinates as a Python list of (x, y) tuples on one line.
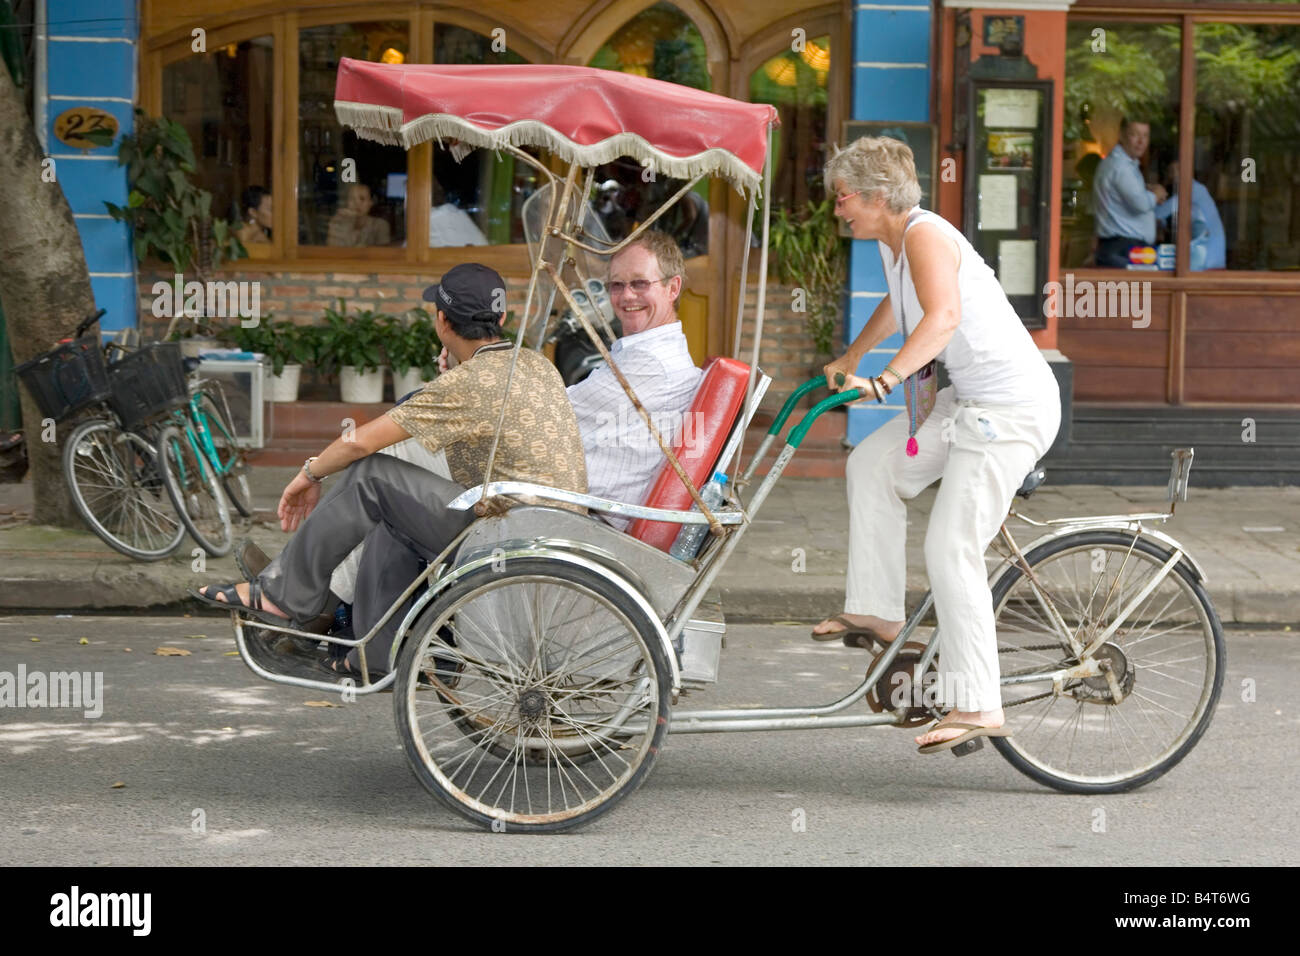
[(990, 358)]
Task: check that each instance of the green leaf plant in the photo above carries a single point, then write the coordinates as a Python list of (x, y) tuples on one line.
[(170, 217), (808, 253), (354, 340), (411, 341), (283, 343)]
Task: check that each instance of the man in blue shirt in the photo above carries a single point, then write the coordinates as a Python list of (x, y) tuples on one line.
[(1209, 247), (1123, 201)]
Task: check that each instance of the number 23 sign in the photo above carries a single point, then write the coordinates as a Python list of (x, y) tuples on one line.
[(71, 126)]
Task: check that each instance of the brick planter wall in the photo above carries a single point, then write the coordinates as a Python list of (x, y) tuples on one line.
[(787, 353)]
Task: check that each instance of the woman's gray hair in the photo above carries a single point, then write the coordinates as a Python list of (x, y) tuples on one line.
[(876, 164)]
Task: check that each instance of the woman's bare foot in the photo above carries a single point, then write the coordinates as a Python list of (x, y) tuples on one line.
[(242, 589), (941, 731), (887, 630)]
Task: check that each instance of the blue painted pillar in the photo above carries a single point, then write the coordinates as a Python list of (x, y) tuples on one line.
[(891, 81), (90, 60)]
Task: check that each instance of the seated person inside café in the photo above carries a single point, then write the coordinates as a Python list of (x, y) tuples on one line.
[(1209, 246), (256, 218), (352, 224), (622, 458), (388, 503), (1123, 202)]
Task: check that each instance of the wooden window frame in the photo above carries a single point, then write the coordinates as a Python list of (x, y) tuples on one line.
[(284, 253), (1170, 12)]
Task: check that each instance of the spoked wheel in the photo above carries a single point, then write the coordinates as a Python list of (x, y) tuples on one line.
[(118, 490), (534, 697), (195, 492), (234, 469), (1167, 658)]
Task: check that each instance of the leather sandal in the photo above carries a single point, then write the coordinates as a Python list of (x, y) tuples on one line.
[(853, 635), (233, 602), (971, 731)]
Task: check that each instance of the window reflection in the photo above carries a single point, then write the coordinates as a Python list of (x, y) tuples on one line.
[(662, 43), (1247, 127), (477, 194), (224, 101), (796, 84), (1110, 191), (351, 191)]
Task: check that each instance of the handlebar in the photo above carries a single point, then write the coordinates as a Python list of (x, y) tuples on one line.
[(84, 325), (797, 433)]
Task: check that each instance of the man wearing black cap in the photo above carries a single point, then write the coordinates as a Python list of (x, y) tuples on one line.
[(385, 502)]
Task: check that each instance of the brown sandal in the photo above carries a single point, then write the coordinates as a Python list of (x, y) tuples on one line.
[(853, 635)]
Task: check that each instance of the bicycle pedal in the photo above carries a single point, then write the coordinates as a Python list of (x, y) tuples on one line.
[(968, 747)]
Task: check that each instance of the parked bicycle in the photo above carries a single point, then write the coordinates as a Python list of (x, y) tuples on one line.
[(109, 460), (204, 466), (138, 503)]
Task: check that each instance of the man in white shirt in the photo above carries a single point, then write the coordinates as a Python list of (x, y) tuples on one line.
[(645, 280)]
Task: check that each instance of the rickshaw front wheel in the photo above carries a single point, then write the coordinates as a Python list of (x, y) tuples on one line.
[(533, 695)]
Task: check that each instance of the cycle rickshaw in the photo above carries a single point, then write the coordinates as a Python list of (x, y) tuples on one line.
[(535, 675)]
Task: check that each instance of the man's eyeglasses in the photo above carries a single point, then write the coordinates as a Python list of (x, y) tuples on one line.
[(639, 286)]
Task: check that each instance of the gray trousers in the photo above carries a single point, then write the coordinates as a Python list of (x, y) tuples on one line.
[(399, 510)]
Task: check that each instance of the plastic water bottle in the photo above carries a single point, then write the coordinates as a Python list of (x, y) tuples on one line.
[(691, 537)]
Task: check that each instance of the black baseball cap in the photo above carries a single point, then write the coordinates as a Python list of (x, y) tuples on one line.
[(470, 291)]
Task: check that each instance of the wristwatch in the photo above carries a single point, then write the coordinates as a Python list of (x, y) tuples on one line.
[(306, 470)]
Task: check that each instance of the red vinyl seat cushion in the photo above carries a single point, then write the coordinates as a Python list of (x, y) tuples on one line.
[(712, 414)]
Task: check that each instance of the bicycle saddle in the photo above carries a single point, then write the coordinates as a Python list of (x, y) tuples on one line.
[(1031, 482)]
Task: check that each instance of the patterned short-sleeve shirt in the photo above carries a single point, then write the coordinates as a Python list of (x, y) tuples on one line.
[(457, 413)]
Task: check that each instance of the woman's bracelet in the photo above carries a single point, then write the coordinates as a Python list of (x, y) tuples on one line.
[(883, 384), (890, 368), (875, 387)]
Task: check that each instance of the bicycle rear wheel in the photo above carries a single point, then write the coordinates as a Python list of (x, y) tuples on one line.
[(195, 491), (234, 469), (1167, 658), (117, 489)]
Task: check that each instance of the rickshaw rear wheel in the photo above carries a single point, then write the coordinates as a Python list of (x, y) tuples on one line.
[(533, 697), (1168, 660)]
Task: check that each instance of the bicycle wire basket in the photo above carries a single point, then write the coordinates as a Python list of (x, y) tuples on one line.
[(68, 378), (147, 383)]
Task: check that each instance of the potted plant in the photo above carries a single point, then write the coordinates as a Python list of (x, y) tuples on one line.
[(286, 347), (171, 218), (353, 344), (809, 256), (412, 346)]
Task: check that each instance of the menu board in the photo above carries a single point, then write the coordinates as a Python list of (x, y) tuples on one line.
[(1007, 185)]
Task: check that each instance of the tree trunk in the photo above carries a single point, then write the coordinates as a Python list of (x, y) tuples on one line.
[(44, 283)]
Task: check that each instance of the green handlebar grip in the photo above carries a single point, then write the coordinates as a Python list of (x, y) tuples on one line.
[(781, 416), (797, 433)]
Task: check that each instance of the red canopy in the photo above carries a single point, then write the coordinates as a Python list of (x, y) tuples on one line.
[(581, 114)]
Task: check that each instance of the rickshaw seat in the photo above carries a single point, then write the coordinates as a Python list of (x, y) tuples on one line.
[(712, 415)]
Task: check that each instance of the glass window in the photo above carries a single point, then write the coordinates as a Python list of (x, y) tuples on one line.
[(660, 42), (476, 195), (1246, 196), (795, 83), (351, 191), (225, 102), (1115, 71)]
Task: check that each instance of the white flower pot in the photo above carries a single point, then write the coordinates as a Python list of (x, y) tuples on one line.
[(409, 382), (284, 387), (362, 388)]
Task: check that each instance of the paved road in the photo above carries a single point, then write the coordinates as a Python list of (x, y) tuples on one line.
[(279, 782)]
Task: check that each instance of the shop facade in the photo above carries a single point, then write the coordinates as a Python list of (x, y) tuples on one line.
[(1008, 106)]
